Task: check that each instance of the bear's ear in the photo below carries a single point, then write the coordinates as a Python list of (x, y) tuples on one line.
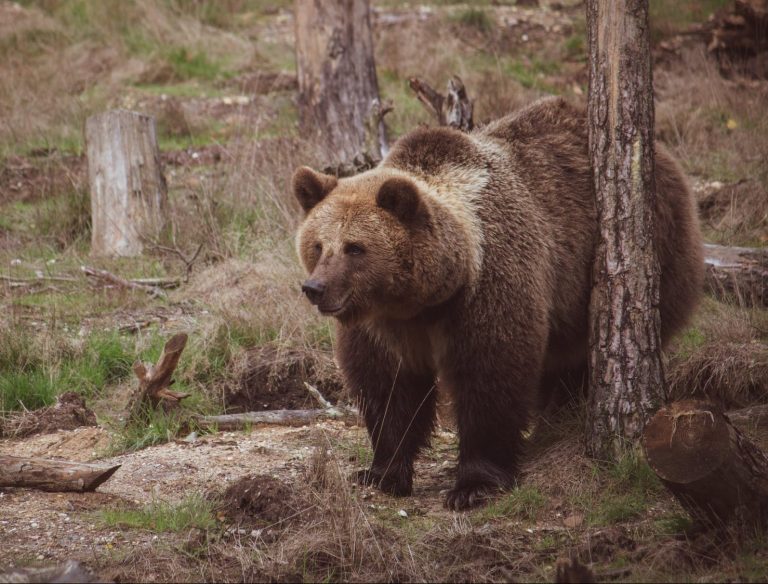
[(311, 187), (400, 197)]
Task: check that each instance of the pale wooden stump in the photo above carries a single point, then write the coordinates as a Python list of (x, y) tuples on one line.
[(128, 191)]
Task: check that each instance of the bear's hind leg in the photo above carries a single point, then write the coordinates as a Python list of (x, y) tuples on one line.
[(398, 406)]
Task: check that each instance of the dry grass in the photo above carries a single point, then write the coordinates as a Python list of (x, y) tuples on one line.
[(717, 128), (723, 356)]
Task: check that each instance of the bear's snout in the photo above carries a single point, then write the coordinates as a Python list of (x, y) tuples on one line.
[(314, 290)]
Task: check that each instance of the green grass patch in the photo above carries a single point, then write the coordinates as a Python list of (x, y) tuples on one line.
[(673, 524), (32, 380), (187, 64), (630, 484), (671, 17), (688, 342), (523, 503), (156, 427), (159, 516)]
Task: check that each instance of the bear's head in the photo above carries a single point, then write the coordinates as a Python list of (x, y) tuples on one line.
[(376, 245)]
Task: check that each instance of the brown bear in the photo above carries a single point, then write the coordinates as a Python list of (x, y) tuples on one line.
[(468, 257)]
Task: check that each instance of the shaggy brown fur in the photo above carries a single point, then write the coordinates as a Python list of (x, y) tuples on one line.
[(468, 257)]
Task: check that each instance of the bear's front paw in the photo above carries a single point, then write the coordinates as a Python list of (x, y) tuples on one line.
[(470, 495), (390, 483)]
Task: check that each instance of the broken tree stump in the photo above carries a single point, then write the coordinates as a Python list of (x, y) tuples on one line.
[(128, 191), (453, 109), (154, 380), (52, 475), (712, 469), (737, 273)]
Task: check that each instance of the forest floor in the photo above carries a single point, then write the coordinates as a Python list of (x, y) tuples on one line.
[(274, 503)]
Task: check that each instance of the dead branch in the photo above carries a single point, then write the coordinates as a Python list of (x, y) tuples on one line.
[(188, 261), (52, 475), (737, 272), (229, 422), (150, 285), (454, 109), (154, 380)]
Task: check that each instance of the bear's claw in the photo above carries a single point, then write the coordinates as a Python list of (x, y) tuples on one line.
[(465, 497), (388, 483)]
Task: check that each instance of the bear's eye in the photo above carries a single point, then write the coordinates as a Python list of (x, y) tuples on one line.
[(318, 248), (353, 249)]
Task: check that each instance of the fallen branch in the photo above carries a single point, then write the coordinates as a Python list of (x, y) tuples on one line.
[(52, 475), (230, 422), (154, 380), (151, 285), (739, 273), (713, 470)]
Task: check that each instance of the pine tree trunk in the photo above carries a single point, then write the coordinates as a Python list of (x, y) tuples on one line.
[(337, 77), (626, 373), (128, 190)]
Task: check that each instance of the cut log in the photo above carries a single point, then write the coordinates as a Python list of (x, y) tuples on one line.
[(453, 109), (713, 470), (128, 191), (737, 273), (229, 422), (52, 475), (154, 380)]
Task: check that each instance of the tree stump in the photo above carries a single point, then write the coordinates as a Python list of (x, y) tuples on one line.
[(711, 467), (338, 88), (128, 191)]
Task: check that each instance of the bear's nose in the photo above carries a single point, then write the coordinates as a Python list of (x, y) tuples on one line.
[(314, 290)]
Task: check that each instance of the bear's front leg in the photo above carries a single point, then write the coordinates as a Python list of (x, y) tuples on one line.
[(398, 406), (494, 385)]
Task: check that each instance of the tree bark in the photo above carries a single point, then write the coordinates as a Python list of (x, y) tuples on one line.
[(128, 191), (52, 475), (716, 473), (737, 274), (626, 374), (338, 89)]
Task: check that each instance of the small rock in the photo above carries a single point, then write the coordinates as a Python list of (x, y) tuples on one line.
[(402, 513)]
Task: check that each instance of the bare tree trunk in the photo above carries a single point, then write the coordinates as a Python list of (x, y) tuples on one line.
[(338, 89), (128, 191), (626, 373)]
